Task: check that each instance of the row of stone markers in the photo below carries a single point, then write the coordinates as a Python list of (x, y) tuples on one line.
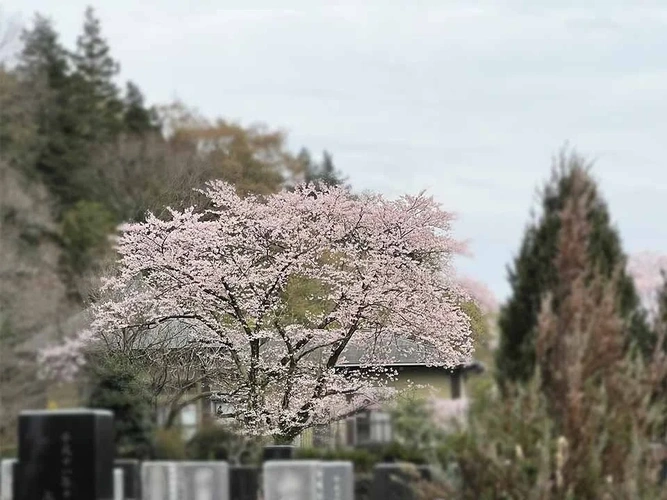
[(69, 455)]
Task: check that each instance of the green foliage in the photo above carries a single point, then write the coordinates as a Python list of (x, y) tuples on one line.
[(116, 386), (137, 118), (95, 96), (324, 172), (364, 459), (44, 61), (479, 325), (413, 426), (509, 449), (169, 445), (223, 442), (302, 299), (85, 230), (533, 273), (80, 107), (661, 315)]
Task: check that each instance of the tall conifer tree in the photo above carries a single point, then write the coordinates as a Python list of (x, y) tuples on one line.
[(97, 96), (533, 272)]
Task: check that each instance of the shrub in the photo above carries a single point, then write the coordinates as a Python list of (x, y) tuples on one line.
[(116, 386), (85, 229), (169, 445), (223, 442), (362, 459)]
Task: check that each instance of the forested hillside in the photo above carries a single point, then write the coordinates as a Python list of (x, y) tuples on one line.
[(81, 152)]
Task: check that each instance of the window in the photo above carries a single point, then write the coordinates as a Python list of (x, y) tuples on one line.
[(220, 409), (369, 427), (380, 427), (189, 421), (363, 426)]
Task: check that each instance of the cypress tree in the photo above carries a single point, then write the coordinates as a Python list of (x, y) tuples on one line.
[(533, 272)]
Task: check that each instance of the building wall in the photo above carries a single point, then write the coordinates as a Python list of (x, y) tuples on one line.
[(435, 383), (419, 382)]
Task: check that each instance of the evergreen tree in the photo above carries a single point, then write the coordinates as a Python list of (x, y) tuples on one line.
[(661, 306), (42, 55), (116, 386), (137, 118), (533, 273), (98, 104), (44, 64), (324, 172)]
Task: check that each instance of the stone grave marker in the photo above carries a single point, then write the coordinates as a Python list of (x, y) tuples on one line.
[(394, 481), (7, 478), (292, 480), (65, 455), (118, 484), (205, 480), (243, 482), (159, 481), (131, 477), (337, 480)]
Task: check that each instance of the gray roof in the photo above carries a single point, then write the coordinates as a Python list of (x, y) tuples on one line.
[(179, 333)]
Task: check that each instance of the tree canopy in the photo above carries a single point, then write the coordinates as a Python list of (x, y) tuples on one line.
[(533, 271), (384, 281)]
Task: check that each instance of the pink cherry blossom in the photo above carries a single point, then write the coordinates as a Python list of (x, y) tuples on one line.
[(385, 279), (645, 268), (480, 293), (449, 411)]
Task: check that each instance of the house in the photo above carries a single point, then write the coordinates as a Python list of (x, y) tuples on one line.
[(368, 427), (372, 426)]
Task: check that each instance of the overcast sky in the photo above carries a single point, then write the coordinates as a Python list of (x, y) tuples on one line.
[(466, 100)]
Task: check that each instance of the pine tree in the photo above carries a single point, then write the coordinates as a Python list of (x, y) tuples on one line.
[(44, 64), (97, 101), (534, 272), (137, 118), (42, 56)]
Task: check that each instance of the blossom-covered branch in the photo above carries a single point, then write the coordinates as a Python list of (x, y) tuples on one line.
[(376, 274)]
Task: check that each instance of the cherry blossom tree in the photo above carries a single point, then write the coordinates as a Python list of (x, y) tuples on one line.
[(646, 269), (378, 277), (481, 294)]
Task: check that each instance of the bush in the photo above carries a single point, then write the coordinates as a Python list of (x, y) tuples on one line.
[(116, 386), (223, 442), (169, 445), (363, 459), (363, 483), (85, 229)]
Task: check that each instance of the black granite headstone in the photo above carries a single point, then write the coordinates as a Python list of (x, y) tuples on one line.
[(131, 477), (394, 481), (243, 482), (278, 452), (15, 475), (65, 455)]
